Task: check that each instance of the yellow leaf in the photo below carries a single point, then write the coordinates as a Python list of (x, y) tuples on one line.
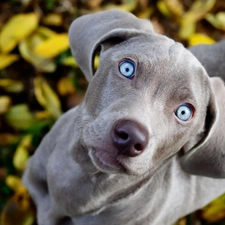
[(21, 154), (43, 115), (65, 86), (11, 85), (175, 7), (27, 45), (53, 19), (69, 61), (163, 8), (128, 6), (5, 102), (18, 209), (14, 183), (19, 117), (45, 32), (218, 20), (53, 46), (47, 97), (187, 28), (17, 28), (215, 211), (198, 38), (146, 13), (6, 60), (96, 62), (197, 11)]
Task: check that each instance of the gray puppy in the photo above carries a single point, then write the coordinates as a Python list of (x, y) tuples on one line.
[(151, 118)]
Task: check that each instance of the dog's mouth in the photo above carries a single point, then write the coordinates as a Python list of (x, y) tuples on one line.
[(106, 162)]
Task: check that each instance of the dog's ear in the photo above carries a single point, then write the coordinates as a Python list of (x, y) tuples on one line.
[(207, 157), (88, 32)]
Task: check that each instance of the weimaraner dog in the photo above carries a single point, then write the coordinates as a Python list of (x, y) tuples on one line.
[(146, 146)]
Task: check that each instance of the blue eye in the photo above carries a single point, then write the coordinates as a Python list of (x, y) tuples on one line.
[(184, 112), (127, 68)]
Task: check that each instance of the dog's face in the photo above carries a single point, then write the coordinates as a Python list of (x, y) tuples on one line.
[(165, 82), (148, 99)]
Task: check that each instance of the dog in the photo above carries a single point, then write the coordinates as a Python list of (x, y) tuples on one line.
[(146, 145)]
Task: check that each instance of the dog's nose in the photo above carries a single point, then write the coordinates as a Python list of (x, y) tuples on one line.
[(129, 138)]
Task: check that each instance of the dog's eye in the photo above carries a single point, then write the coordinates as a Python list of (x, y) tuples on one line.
[(184, 112), (127, 68)]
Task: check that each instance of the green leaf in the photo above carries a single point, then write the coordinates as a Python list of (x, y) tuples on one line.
[(19, 117)]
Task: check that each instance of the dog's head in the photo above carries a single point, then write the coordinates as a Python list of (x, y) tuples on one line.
[(148, 99)]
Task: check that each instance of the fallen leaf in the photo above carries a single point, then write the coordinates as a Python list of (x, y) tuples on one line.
[(27, 46), (45, 32), (197, 11), (69, 61), (215, 211), (175, 7), (163, 8), (96, 62), (5, 102), (127, 6), (15, 183), (52, 46), (6, 60), (198, 38), (19, 117), (18, 209), (65, 86), (17, 28), (8, 139), (21, 154), (218, 20), (146, 13), (53, 19), (47, 97), (10, 85)]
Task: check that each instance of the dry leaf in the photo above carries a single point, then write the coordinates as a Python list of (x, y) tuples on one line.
[(19, 117), (65, 86), (21, 154), (53, 19), (47, 97), (218, 20), (163, 8), (215, 211), (45, 32), (14, 183), (53, 46), (17, 28), (146, 13), (197, 11), (69, 61), (5, 102), (10, 85), (128, 6), (198, 38), (6, 60), (26, 50), (8, 139), (175, 7), (18, 209)]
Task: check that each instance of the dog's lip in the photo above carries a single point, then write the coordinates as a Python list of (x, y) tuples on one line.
[(105, 161)]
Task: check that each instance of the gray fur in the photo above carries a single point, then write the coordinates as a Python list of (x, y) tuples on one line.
[(73, 177)]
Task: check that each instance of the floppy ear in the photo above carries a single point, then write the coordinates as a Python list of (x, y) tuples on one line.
[(88, 32), (207, 157)]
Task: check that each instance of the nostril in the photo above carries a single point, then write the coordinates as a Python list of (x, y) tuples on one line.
[(138, 147), (123, 135), (130, 138)]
